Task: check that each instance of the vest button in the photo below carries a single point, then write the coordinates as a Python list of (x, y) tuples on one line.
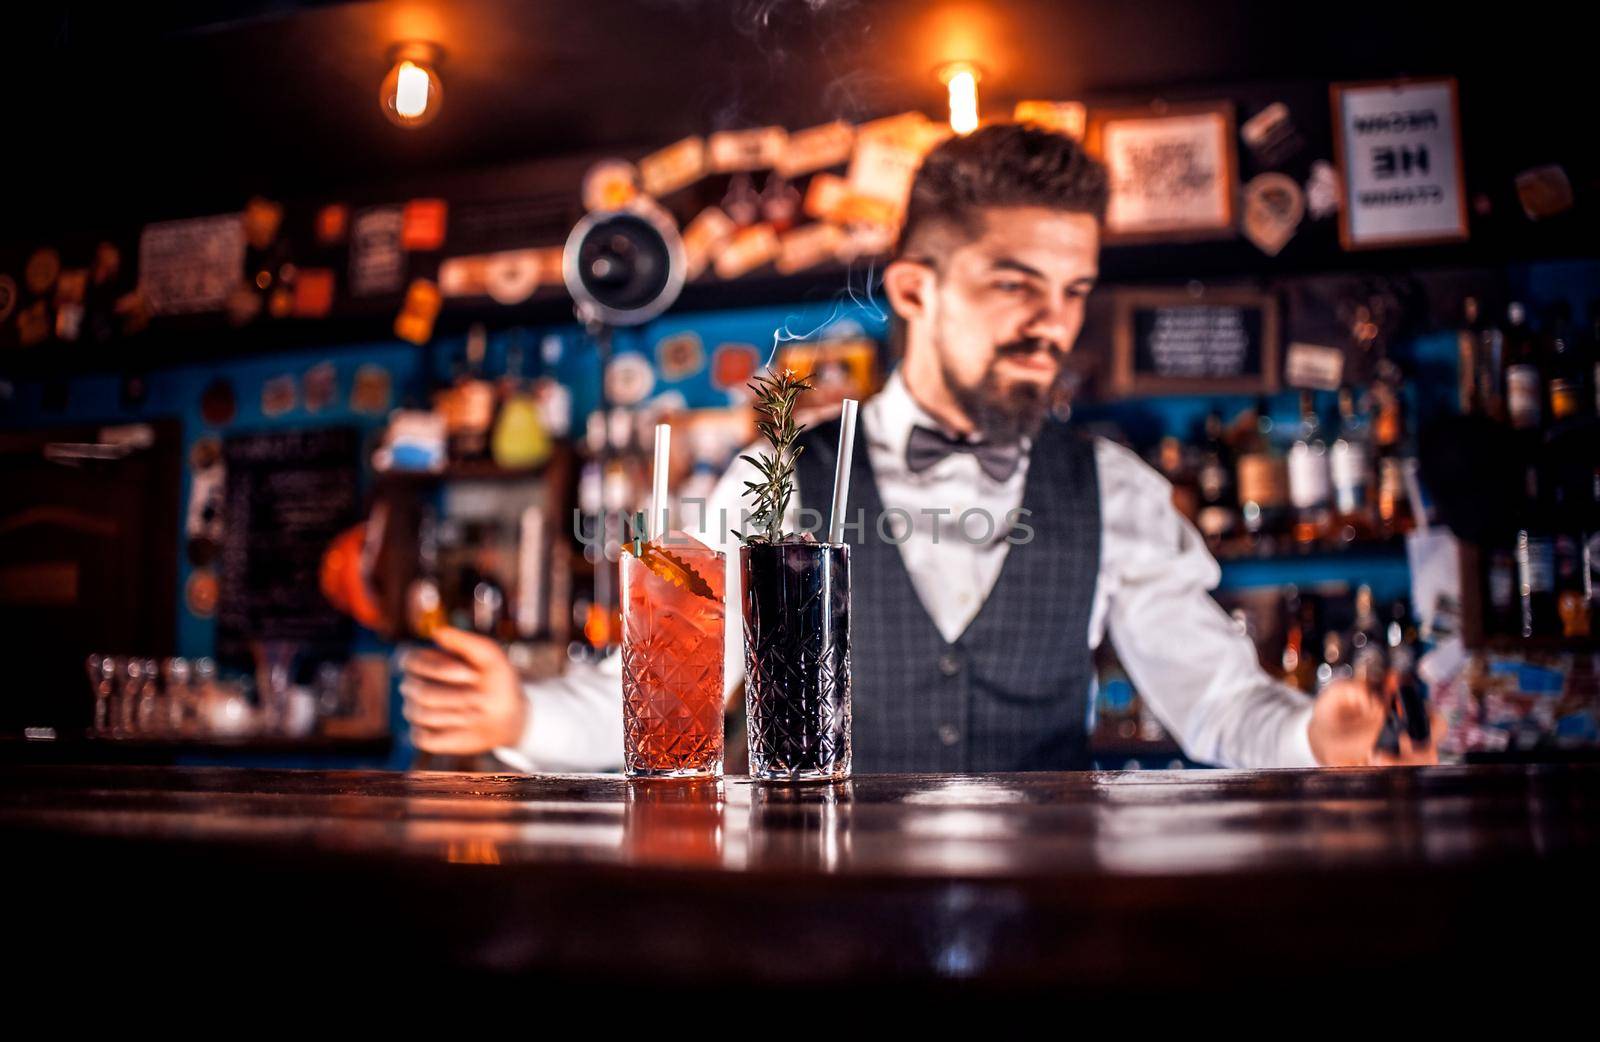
[(948, 734), (949, 665)]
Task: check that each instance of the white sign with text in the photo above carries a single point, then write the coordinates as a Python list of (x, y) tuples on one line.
[(1399, 145)]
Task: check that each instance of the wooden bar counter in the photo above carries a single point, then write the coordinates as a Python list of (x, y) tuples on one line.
[(1074, 884)]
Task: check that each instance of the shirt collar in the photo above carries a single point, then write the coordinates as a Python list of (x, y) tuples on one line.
[(892, 412)]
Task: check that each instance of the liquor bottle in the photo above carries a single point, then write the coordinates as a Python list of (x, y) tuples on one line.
[(1299, 662), (1536, 566), (488, 607), (468, 404), (1335, 664), (1590, 516), (1500, 592), (1395, 510), (424, 599), (519, 440), (1309, 491), (1467, 361), (1591, 361), (1263, 485), (1567, 379), (1174, 466), (1400, 635), (1366, 642), (1218, 517), (1350, 468), (1388, 412), (1488, 363), (1572, 572), (1524, 391)]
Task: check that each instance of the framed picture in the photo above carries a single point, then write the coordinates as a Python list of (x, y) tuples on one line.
[(1177, 341), (1173, 171), (1398, 147)]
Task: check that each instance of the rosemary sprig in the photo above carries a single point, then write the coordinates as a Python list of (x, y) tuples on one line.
[(776, 394)]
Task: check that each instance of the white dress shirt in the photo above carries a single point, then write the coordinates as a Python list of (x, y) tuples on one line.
[(1195, 670)]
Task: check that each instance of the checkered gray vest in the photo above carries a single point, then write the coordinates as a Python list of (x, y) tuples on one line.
[(1011, 693)]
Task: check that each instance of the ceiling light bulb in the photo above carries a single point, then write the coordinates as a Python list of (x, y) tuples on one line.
[(411, 93), (961, 78)]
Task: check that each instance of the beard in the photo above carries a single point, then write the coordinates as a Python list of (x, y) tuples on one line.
[(1004, 410)]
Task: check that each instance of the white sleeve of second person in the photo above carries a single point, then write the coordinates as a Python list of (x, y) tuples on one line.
[(575, 720), (1198, 673)]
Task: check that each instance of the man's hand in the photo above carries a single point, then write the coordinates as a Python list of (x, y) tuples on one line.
[(1346, 720), (465, 699)]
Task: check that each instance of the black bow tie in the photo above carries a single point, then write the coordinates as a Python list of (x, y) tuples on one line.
[(928, 446)]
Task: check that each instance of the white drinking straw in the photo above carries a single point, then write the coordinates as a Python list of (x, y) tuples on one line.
[(841, 470), (658, 484)]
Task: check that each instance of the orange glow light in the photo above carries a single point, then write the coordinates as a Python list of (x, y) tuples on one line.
[(961, 78), (411, 92)]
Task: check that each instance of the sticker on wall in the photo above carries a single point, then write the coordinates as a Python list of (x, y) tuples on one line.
[(200, 593), (71, 289), (313, 293), (423, 224), (191, 266), (377, 260), (628, 379), (676, 166), (1313, 366), (668, 402), (610, 184), (280, 302), (817, 148), (262, 219), (370, 391), (321, 386), (1322, 191), (33, 324), (1271, 136), (732, 366), (43, 267), (1063, 117), (278, 396), (243, 303), (1544, 192), (509, 277), (218, 405), (749, 250), (417, 314), (107, 264), (704, 237), (1273, 207), (333, 223), (203, 518), (8, 296), (759, 148), (680, 356), (807, 246), (133, 310)]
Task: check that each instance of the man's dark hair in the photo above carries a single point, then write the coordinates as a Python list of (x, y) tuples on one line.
[(1004, 164)]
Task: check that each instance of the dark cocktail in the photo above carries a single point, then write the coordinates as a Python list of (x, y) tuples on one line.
[(797, 660)]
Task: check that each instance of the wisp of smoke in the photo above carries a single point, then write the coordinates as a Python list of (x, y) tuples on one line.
[(846, 301)]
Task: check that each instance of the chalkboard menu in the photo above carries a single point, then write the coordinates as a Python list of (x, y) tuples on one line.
[(1195, 342), (288, 494)]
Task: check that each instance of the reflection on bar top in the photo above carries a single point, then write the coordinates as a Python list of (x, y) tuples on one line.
[(1022, 826)]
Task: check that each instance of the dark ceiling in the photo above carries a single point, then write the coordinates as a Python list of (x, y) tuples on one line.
[(150, 110)]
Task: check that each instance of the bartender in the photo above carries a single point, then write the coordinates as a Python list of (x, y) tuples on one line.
[(998, 548)]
